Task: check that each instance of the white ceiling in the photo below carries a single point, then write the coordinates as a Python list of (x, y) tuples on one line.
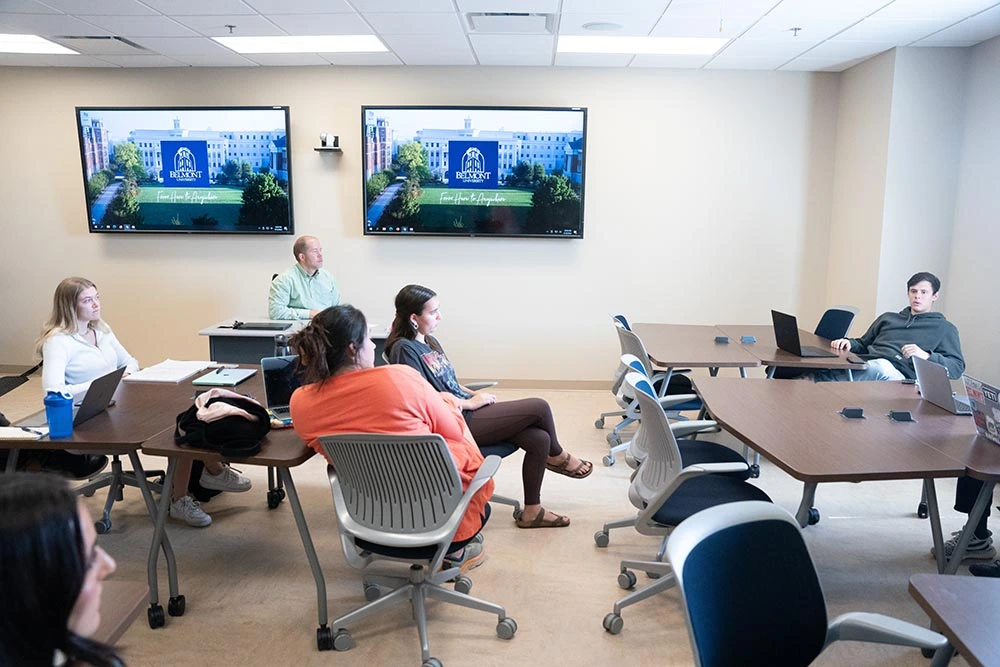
[(833, 35)]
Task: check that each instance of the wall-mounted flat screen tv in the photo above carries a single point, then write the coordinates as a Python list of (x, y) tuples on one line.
[(214, 170), (474, 171)]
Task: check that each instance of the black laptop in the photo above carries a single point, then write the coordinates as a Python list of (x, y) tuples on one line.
[(95, 401), (280, 380), (786, 335)]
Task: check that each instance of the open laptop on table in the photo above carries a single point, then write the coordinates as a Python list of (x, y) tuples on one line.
[(985, 402), (935, 386), (786, 335), (95, 401), (280, 381)]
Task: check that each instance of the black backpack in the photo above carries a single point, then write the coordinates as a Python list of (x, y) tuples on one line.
[(234, 437)]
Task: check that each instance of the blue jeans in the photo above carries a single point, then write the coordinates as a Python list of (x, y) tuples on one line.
[(874, 370)]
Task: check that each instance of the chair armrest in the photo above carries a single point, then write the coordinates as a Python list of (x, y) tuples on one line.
[(680, 429), (881, 629), (645, 519), (476, 386), (675, 399)]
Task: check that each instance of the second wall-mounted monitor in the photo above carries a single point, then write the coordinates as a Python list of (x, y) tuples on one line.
[(474, 171), (214, 170)]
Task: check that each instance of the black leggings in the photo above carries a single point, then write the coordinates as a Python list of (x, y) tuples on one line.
[(965, 497), (528, 424)]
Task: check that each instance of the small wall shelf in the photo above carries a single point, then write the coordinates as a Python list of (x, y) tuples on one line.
[(327, 149)]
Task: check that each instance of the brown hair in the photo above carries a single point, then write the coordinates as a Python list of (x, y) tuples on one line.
[(323, 344), (410, 300)]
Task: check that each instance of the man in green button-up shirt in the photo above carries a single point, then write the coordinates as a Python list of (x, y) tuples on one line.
[(306, 288)]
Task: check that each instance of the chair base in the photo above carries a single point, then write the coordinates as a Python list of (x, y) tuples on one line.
[(417, 588), (116, 481), (505, 500)]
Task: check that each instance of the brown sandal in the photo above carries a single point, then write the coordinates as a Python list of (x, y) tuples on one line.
[(582, 470), (541, 522)]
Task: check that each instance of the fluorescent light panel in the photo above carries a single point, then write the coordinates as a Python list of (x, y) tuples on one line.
[(32, 44), (671, 46), (304, 44)]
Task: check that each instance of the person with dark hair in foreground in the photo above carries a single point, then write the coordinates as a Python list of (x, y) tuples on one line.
[(52, 571), (527, 423), (343, 392)]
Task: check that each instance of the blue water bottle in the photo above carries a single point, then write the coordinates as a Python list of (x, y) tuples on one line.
[(59, 414)]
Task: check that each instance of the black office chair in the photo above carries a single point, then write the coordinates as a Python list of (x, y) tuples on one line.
[(12, 382), (777, 616), (834, 324)]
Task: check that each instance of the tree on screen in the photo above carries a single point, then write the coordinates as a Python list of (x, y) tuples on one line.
[(124, 208), (264, 203), (406, 204), (554, 204), (413, 160), (246, 171), (129, 161)]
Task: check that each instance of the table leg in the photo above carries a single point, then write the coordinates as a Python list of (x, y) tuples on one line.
[(669, 373), (743, 372), (12, 459), (285, 475), (713, 371), (176, 603), (934, 514), (805, 513), (985, 498), (850, 375)]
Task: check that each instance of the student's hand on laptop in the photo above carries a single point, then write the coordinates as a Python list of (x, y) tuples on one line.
[(841, 344), (914, 350)]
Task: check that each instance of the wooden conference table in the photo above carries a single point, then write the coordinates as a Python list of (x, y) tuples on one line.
[(797, 425), (965, 610)]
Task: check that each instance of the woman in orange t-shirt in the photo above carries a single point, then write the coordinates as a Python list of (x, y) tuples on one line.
[(343, 392)]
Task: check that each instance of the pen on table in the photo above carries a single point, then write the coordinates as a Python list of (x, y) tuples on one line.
[(221, 368), (30, 430)]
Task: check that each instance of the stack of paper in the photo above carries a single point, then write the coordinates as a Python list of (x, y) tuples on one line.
[(169, 371), (19, 433)]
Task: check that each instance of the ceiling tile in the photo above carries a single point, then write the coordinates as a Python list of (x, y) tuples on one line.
[(821, 64), (48, 60), (142, 26), (848, 50), (46, 25), (514, 59), (143, 61), (195, 7), (362, 59), (898, 31), (945, 43), (300, 6), (688, 62), (218, 60), (102, 46), (931, 9), (807, 11), (404, 6), (446, 56), (772, 27), (756, 48), (725, 9), (633, 23), (978, 28), (725, 61), (101, 8), (322, 24), (702, 26), (26, 7), (215, 26), (415, 24), (521, 6), (620, 6), (182, 46), (496, 45), (593, 59)]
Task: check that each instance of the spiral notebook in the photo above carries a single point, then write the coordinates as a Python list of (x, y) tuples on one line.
[(19, 433), (224, 377)]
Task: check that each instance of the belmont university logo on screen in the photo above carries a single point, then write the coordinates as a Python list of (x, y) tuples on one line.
[(473, 164), (185, 164)]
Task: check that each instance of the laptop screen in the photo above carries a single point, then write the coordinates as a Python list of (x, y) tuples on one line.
[(280, 380)]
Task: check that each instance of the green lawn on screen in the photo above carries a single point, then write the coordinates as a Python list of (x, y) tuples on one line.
[(166, 206), (432, 195)]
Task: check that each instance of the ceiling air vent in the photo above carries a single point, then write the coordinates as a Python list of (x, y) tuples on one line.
[(100, 45), (511, 23)]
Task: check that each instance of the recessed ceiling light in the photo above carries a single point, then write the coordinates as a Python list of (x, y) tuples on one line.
[(641, 45), (304, 44), (602, 26), (32, 44)]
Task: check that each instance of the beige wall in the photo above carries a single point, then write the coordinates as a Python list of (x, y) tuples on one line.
[(708, 199), (974, 305)]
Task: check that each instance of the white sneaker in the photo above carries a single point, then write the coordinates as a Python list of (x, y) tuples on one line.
[(189, 510), (227, 480)]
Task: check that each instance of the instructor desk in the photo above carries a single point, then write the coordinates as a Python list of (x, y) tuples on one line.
[(249, 346)]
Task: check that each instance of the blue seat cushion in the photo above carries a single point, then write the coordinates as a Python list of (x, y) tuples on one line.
[(706, 451), (703, 492)]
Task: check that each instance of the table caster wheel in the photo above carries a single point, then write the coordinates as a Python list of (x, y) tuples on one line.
[(372, 592), (813, 516), (517, 513), (755, 471), (614, 439), (626, 579), (927, 652), (922, 511), (89, 494), (601, 538), (608, 460), (281, 493), (342, 641), (102, 527), (324, 638), (463, 584), (599, 423), (431, 662), (506, 628), (176, 606), (155, 616), (613, 623), (273, 499)]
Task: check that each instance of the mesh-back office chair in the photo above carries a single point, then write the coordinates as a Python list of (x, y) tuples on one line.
[(12, 382), (777, 617), (673, 491), (834, 324), (400, 498)]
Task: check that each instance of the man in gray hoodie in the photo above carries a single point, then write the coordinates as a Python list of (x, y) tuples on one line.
[(891, 342)]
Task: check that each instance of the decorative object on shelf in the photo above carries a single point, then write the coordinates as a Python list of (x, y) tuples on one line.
[(329, 140)]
